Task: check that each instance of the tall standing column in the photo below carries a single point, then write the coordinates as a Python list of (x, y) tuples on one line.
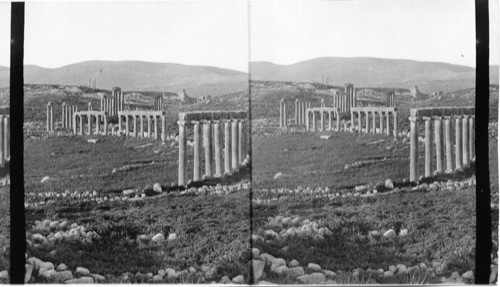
[(241, 138), (296, 112), (120, 123), (428, 147), (285, 119), (351, 129), (142, 126), (89, 124), (360, 128), (97, 124), (322, 103), (127, 125), (63, 115), (381, 129), (458, 142), (105, 125), (227, 147), (81, 132), (314, 121), (134, 117), (322, 119), (465, 140), (367, 119), (207, 143), (74, 124), (330, 120), (182, 154), (388, 124), (281, 113), (413, 150), (439, 145), (156, 127), (374, 122), (395, 124), (163, 128), (2, 142), (218, 148), (307, 120), (472, 150), (48, 117), (149, 125), (447, 138), (90, 106), (234, 145), (196, 151), (337, 116)]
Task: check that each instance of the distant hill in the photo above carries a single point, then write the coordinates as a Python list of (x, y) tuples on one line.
[(134, 75), (373, 72)]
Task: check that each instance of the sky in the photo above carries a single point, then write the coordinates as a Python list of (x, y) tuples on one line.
[(423, 30), (194, 33), (217, 33)]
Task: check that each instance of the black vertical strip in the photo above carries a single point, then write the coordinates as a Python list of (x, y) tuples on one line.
[(17, 230), (483, 212)]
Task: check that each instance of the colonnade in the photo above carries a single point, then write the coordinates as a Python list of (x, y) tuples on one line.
[(80, 117), (390, 101), (300, 111), (385, 116), (224, 143), (135, 124), (50, 117), (331, 112), (442, 119), (344, 102), (4, 139), (67, 111)]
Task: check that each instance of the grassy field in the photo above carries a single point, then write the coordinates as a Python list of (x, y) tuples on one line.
[(441, 228), (4, 228)]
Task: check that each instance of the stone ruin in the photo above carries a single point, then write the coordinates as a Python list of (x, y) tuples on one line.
[(463, 118), (4, 139), (385, 115), (234, 138)]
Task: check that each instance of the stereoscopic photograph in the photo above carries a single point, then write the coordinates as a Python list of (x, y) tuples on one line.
[(136, 145), (249, 142), (363, 142)]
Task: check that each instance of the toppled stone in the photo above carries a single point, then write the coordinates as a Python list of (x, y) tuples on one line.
[(494, 273), (48, 274), (45, 179), (239, 279), (159, 238), (329, 274), (313, 267), (28, 273), (295, 271), (170, 273), (403, 232), (280, 270), (63, 276), (389, 184), (469, 275), (81, 280), (314, 278), (157, 278), (388, 273), (62, 267), (225, 280), (172, 236), (293, 263), (157, 188), (93, 141), (255, 252), (82, 271), (258, 269), (390, 233), (98, 278)]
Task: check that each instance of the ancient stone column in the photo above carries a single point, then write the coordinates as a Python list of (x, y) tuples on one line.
[(134, 123), (234, 145), (472, 150), (89, 124), (142, 126), (367, 119), (322, 119), (81, 132), (314, 120), (218, 149), (149, 125), (337, 115), (97, 124), (207, 143), (447, 138), (163, 128), (281, 113), (120, 123), (227, 147), (351, 129), (439, 145), (395, 124), (322, 103), (241, 154), (48, 117), (388, 124), (413, 150), (296, 111), (465, 140), (155, 118), (428, 147), (74, 124), (381, 129), (374, 122), (127, 125), (182, 154), (90, 106), (63, 115), (106, 125), (458, 143), (360, 128), (307, 120), (330, 120), (196, 151)]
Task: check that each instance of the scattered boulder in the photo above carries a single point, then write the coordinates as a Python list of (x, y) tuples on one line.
[(82, 271), (172, 236), (63, 276), (45, 179), (258, 269), (390, 233), (62, 267), (314, 278), (239, 279), (157, 188), (293, 263), (468, 275), (313, 267), (159, 238), (389, 184), (403, 232), (295, 271)]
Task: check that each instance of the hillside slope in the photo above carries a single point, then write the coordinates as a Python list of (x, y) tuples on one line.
[(373, 72), (134, 75)]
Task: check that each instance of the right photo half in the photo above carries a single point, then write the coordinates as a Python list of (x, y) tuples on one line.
[(363, 142)]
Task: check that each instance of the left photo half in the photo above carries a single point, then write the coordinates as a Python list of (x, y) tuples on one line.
[(136, 142), (4, 141)]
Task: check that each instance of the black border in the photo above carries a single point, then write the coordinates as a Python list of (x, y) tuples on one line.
[(17, 219)]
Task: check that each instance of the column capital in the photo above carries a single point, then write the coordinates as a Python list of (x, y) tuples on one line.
[(412, 119), (426, 118), (181, 123)]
